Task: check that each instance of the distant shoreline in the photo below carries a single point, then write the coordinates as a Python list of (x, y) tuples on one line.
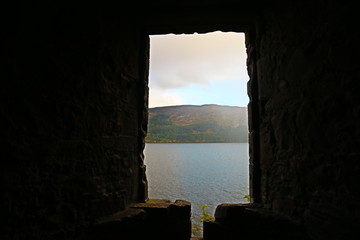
[(194, 142), (208, 123)]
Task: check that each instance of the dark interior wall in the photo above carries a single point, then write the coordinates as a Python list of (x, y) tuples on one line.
[(72, 95), (74, 99), (309, 116)]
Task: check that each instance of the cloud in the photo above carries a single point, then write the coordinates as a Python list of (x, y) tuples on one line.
[(158, 98), (178, 61), (176, 79)]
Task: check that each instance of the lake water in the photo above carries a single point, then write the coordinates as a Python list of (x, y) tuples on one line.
[(206, 174)]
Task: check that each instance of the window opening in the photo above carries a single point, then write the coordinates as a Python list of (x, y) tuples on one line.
[(196, 148)]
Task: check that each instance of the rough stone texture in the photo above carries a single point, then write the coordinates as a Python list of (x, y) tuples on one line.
[(70, 108), (154, 219), (125, 223), (166, 219), (309, 113), (246, 221)]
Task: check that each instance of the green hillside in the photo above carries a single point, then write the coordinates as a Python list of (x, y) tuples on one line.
[(191, 123)]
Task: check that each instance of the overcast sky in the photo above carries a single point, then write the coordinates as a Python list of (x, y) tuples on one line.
[(198, 69)]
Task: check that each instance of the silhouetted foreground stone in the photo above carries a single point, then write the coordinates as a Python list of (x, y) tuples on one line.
[(249, 221), (154, 219)]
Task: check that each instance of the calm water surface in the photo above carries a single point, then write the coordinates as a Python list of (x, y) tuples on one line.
[(206, 174)]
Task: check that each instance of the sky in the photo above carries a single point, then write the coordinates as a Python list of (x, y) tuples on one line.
[(198, 69)]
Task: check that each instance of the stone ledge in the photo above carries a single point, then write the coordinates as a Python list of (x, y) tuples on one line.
[(154, 219), (158, 208), (241, 221), (128, 214), (166, 218)]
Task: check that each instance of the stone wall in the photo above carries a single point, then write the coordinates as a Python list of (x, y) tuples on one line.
[(308, 115), (72, 98)]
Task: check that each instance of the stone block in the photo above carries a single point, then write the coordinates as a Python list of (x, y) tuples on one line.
[(213, 230), (125, 223), (180, 209), (154, 208), (165, 219), (238, 221), (230, 211)]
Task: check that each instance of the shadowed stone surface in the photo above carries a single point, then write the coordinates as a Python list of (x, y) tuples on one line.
[(238, 221)]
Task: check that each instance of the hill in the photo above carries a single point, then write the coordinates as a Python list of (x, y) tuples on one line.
[(193, 123)]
